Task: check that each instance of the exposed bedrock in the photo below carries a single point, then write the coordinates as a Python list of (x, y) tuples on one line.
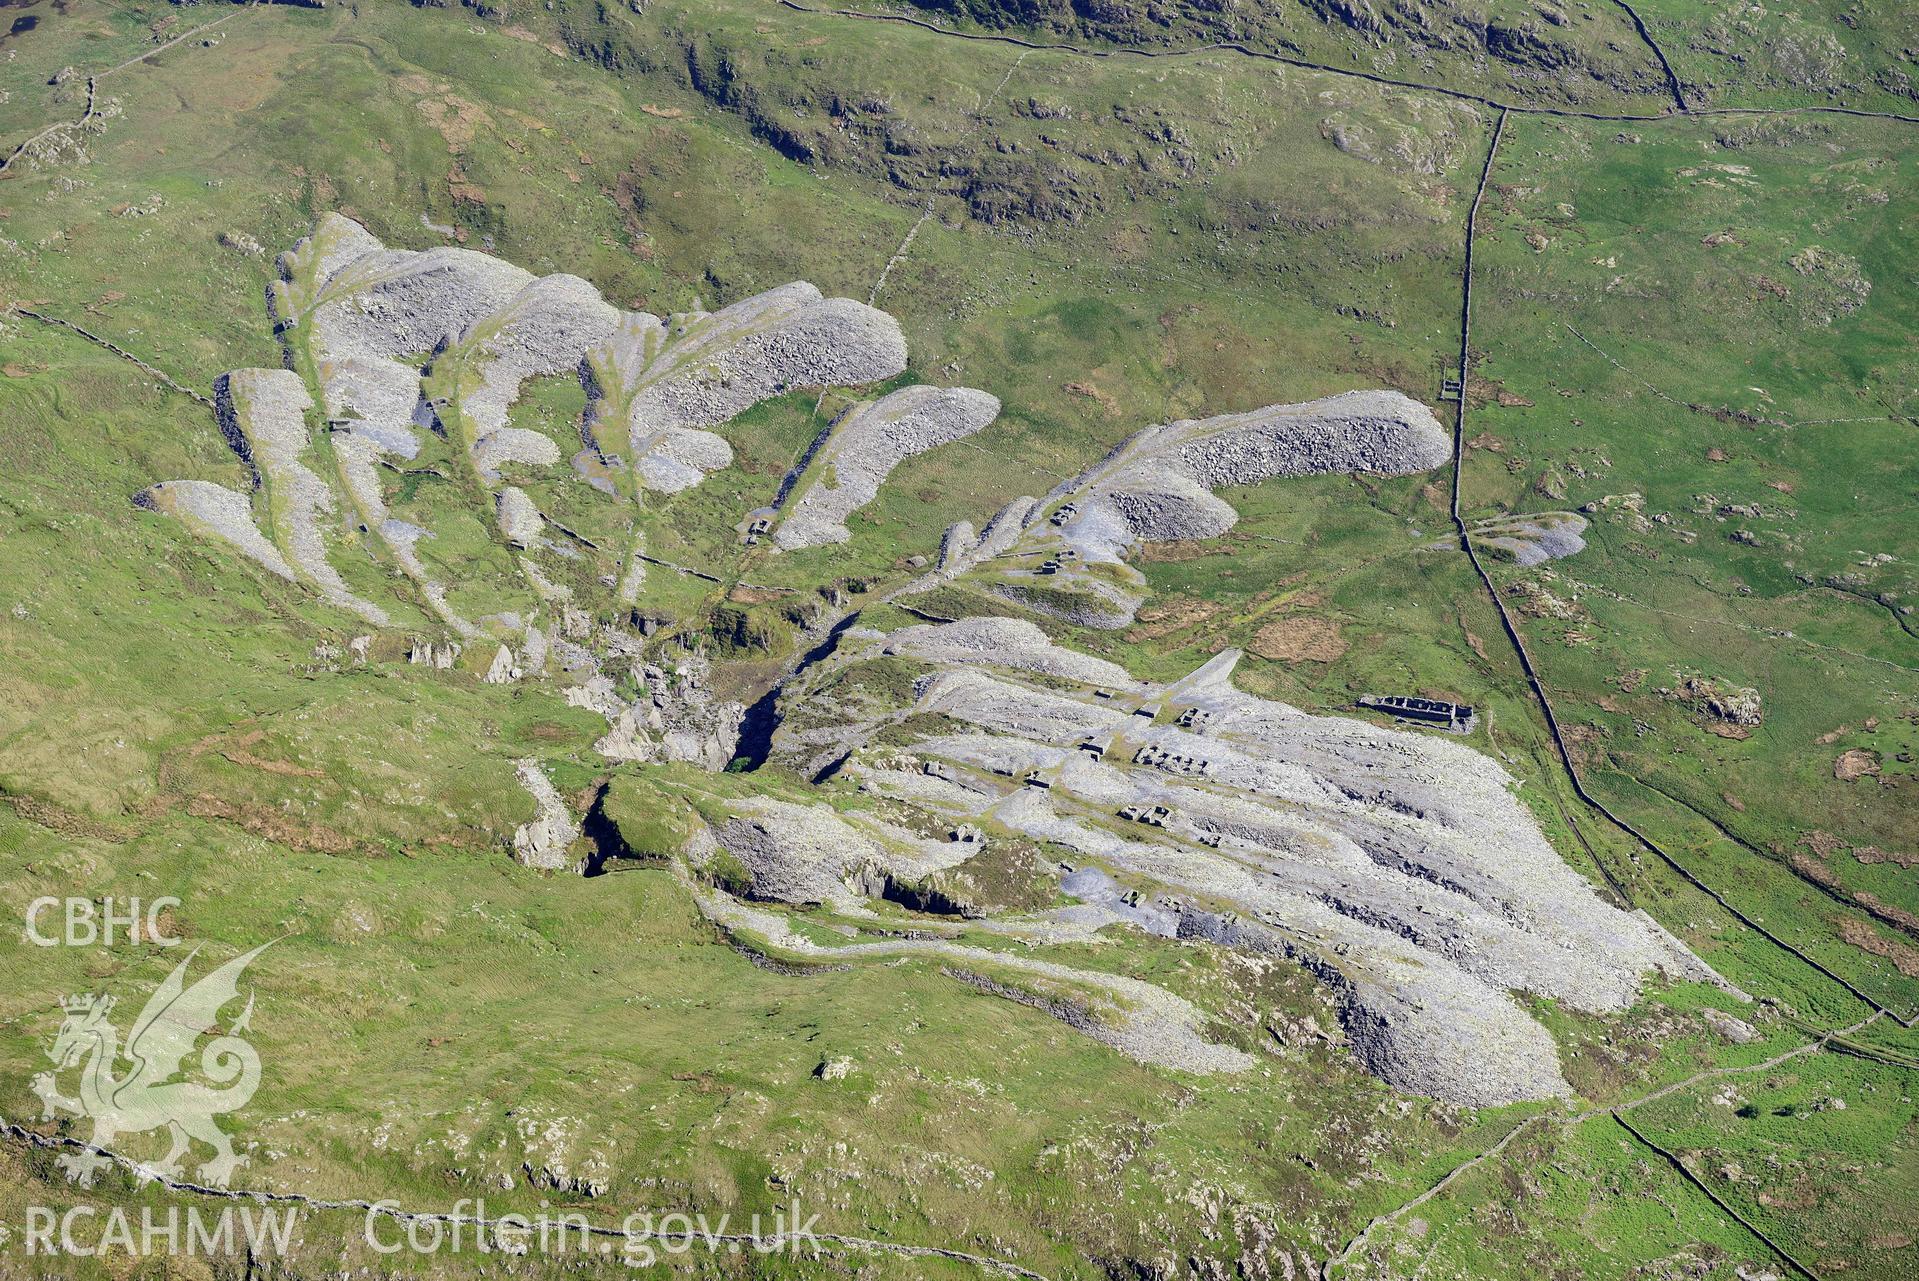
[(1530, 539), (675, 718), (653, 730), (502, 670)]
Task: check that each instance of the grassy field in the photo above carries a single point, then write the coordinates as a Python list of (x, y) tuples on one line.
[(1793, 54), (1679, 319), (1680, 358)]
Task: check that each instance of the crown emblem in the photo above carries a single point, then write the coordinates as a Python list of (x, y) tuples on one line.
[(147, 1097)]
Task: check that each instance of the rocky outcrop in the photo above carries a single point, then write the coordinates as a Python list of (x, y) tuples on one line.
[(502, 670), (1528, 540), (1528, 46), (427, 654), (546, 842), (1717, 701), (675, 718)]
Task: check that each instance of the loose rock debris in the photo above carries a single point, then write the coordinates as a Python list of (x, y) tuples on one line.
[(1064, 555), (1396, 867), (861, 448), (400, 341)]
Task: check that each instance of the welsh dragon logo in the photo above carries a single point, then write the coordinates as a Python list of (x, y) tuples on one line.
[(145, 1095)]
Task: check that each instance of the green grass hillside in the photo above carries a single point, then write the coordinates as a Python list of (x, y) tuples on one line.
[(1695, 331)]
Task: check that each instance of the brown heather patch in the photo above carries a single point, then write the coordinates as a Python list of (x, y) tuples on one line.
[(57, 818), (1299, 638), (1824, 844), (1473, 639), (1172, 615), (1178, 549), (1813, 870), (269, 824), (238, 754), (457, 120), (1866, 939), (1870, 854), (1582, 743), (1091, 390), (1890, 913), (1855, 764), (460, 187), (553, 47), (756, 595)]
